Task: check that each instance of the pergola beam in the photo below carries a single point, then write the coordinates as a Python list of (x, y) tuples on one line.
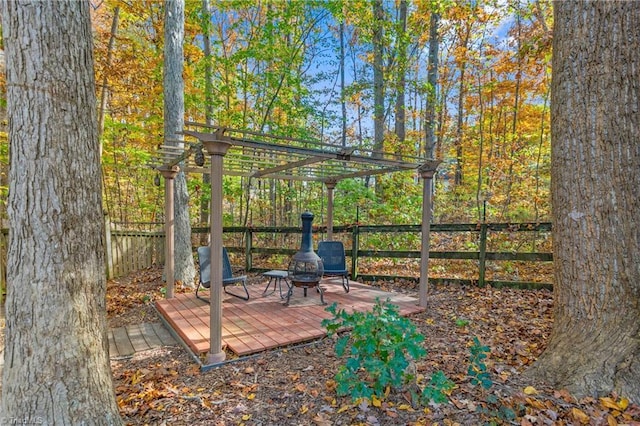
[(375, 160), (369, 172), (287, 166), (319, 153)]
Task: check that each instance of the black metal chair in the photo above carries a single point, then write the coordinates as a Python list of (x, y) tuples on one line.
[(204, 260), (334, 261)]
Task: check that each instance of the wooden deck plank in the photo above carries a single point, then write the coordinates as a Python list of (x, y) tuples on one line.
[(234, 343), (174, 312), (244, 331), (137, 339), (150, 336), (270, 324), (263, 322), (123, 344), (165, 336), (113, 350), (279, 323)]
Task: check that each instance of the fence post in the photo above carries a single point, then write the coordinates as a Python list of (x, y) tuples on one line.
[(482, 254), (248, 243), (355, 241), (108, 251)]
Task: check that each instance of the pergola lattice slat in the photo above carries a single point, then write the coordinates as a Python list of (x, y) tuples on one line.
[(259, 155)]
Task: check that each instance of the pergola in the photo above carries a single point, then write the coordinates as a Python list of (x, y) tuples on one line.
[(222, 151)]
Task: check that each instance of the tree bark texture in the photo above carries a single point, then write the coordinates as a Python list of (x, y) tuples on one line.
[(205, 212), (401, 82), (56, 368), (432, 79), (343, 98), (173, 80), (460, 120), (378, 74), (104, 90), (595, 344), (378, 85)]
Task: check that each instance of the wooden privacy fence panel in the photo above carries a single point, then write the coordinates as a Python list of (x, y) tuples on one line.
[(130, 247), (125, 252), (133, 250)]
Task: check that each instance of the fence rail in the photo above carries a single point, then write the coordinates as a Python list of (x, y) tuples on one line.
[(134, 249)]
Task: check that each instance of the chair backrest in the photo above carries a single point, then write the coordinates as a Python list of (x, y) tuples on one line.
[(227, 272), (204, 261), (332, 255)]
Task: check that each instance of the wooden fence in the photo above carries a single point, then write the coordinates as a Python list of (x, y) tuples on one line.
[(127, 250), (131, 251), (266, 248), (260, 244)]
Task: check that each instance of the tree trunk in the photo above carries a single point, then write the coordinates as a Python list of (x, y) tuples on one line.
[(343, 100), (480, 196), (594, 348), (401, 84), (104, 90), (209, 111), (185, 271), (461, 95), (378, 86), (514, 139), (378, 74), (543, 138), (56, 351), (432, 79)]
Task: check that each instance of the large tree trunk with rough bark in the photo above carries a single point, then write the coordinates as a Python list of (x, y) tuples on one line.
[(56, 367), (173, 80), (595, 345)]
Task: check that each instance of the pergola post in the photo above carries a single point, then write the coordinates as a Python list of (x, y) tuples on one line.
[(330, 184), (217, 151), (427, 170), (169, 174)]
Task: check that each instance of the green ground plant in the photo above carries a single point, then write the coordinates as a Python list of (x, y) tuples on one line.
[(380, 350), (491, 408), (477, 370)]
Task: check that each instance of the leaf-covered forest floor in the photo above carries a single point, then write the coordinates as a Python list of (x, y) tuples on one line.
[(296, 385)]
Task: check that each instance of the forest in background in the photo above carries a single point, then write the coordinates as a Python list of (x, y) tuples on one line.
[(466, 82)]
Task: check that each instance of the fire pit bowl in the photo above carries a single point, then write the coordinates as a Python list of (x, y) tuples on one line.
[(306, 268)]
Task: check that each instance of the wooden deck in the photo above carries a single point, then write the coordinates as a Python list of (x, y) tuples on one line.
[(126, 341), (263, 322)]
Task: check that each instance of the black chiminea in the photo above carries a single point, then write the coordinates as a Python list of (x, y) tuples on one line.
[(306, 268)]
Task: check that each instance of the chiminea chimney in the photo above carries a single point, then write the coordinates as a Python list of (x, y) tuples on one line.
[(306, 266)]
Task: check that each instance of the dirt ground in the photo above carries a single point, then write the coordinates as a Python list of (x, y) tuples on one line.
[(296, 385)]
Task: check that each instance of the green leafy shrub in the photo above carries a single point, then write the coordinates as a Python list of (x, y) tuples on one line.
[(477, 370), (437, 389), (379, 352)]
